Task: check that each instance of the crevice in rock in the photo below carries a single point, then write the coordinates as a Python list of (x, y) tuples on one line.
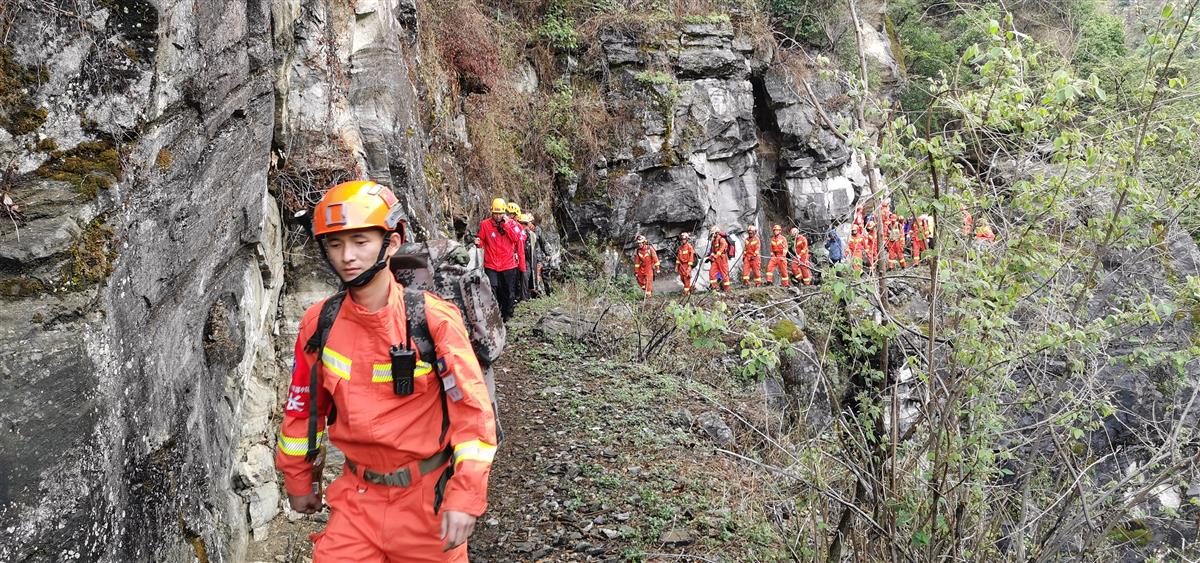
[(773, 201)]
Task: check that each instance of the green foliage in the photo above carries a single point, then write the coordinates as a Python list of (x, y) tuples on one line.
[(559, 32), (785, 330), (1101, 39), (664, 90), (934, 50), (759, 352), (808, 21), (651, 78), (712, 18), (703, 327), (564, 125), (560, 153), (1133, 532)]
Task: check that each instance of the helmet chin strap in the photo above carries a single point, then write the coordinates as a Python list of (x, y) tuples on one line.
[(367, 275)]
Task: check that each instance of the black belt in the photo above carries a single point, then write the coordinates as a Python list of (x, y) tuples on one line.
[(402, 477)]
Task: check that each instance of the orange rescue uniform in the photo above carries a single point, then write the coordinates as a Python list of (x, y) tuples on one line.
[(645, 262), (752, 261), (800, 270), (858, 247), (685, 258), (895, 245), (719, 252), (386, 435), (919, 236), (778, 260)]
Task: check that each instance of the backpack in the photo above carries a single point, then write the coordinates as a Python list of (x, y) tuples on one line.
[(730, 248), (440, 267)]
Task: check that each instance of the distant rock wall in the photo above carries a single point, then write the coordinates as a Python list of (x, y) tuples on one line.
[(724, 137)]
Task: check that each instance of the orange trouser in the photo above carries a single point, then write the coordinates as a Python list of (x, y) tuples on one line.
[(372, 523), (918, 248), (895, 251), (800, 271), (719, 271), (752, 268), (778, 263), (645, 279), (685, 276)]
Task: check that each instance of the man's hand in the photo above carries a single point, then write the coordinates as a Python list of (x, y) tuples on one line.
[(456, 528), (305, 504)]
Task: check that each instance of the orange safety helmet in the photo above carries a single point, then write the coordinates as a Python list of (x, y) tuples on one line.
[(361, 204), (776, 229)]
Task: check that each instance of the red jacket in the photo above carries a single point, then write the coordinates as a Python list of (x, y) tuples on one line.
[(521, 249), (500, 249)]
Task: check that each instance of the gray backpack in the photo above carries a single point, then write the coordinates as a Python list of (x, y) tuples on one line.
[(440, 267)]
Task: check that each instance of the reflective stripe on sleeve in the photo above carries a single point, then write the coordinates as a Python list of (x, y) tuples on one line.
[(476, 450), (291, 445)]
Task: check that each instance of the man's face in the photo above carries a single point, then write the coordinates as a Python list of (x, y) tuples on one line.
[(352, 252), (498, 217)]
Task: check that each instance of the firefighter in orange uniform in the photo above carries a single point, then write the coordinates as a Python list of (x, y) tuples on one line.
[(645, 265), (718, 253), (871, 249), (857, 247), (801, 267), (778, 261), (418, 433), (752, 257), (685, 259), (920, 234), (895, 243)]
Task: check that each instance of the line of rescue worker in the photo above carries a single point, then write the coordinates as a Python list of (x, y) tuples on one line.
[(791, 258), (514, 253)]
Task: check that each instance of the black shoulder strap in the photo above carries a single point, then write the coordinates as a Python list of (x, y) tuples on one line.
[(417, 326), (316, 343)]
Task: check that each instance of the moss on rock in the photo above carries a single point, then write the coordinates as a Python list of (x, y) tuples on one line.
[(91, 257), (90, 167), (19, 114)]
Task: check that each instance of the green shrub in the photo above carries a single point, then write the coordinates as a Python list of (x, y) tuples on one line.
[(559, 31)]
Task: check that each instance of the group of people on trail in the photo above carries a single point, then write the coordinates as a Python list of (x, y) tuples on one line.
[(789, 257), (899, 234), (514, 253)]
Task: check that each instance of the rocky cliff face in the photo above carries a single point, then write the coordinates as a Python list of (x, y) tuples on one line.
[(140, 276), (725, 135)]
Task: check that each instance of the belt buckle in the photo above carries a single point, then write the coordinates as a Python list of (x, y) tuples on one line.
[(398, 478)]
